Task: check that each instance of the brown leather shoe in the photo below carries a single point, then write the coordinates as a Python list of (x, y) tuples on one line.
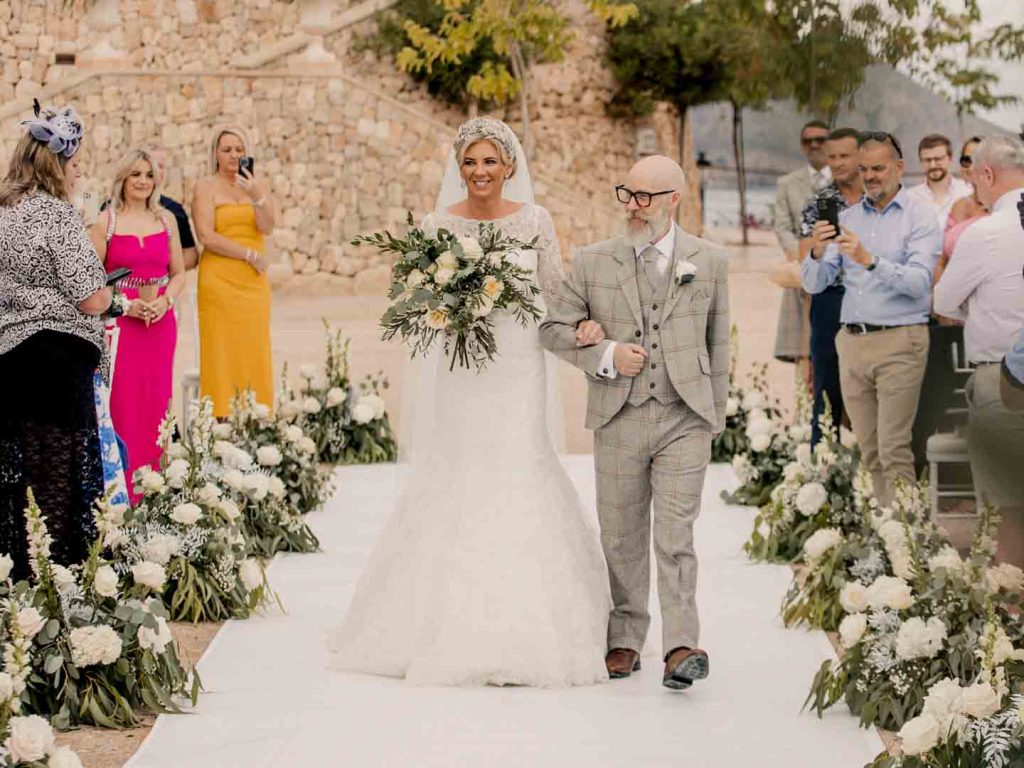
[(622, 662), (683, 666)]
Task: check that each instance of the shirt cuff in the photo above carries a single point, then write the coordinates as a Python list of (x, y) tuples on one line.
[(606, 368)]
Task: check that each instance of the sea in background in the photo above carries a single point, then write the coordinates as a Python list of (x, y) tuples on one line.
[(722, 206)]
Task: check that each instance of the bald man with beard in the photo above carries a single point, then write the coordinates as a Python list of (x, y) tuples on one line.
[(646, 317)]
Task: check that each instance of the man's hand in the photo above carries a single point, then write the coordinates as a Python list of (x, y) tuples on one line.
[(822, 233), (851, 247), (629, 359), (589, 333)]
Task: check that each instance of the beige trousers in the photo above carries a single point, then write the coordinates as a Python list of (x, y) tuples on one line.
[(651, 453), (881, 375)]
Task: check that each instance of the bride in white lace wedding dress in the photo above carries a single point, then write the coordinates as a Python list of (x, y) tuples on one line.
[(488, 571)]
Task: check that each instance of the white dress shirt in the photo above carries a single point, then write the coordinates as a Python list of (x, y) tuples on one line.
[(958, 188), (665, 246), (983, 284), (820, 178)]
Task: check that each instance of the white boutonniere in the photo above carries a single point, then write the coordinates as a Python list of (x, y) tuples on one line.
[(685, 272)]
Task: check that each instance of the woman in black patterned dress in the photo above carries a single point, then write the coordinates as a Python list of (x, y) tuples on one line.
[(52, 292)]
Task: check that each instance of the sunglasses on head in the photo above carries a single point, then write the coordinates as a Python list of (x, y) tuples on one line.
[(965, 161), (882, 137)]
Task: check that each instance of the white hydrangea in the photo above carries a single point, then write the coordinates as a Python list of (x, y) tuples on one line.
[(187, 513), (261, 411), (30, 739), (90, 646), (852, 629), (268, 456), (306, 445), (156, 640), (150, 575), (30, 621), (945, 703), (759, 426), (105, 581), (161, 547), (293, 433), (920, 639), (853, 597), (231, 455), (947, 558), (811, 498), (820, 542), (793, 472), (177, 473), (890, 592), (1004, 576), (222, 431)]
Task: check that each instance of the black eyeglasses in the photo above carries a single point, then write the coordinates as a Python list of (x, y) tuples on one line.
[(965, 161), (643, 199), (881, 137)]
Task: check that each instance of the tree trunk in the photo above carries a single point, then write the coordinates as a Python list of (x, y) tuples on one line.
[(741, 168), (473, 109), (520, 72), (682, 162)]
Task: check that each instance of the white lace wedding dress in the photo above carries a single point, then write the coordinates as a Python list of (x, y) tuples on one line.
[(488, 571)]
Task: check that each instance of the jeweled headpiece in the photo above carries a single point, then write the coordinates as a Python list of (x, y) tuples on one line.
[(61, 130), (486, 129)]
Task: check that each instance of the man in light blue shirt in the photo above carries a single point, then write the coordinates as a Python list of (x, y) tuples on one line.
[(1012, 384), (886, 250)]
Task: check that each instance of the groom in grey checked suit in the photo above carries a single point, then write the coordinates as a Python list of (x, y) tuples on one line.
[(657, 385)]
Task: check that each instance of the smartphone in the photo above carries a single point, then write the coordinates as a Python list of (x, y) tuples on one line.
[(828, 210), (245, 165), (117, 274)]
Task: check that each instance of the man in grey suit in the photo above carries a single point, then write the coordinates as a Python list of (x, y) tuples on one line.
[(793, 192), (657, 388)]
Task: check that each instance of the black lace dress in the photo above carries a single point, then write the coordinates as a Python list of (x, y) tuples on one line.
[(49, 352)]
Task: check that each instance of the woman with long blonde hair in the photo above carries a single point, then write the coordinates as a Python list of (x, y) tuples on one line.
[(233, 210), (52, 292), (134, 232)]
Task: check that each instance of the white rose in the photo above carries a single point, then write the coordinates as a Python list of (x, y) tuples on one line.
[(759, 426), (290, 408), (335, 397), (250, 574), (852, 629), (277, 488), (447, 260), (803, 454), (30, 621), (918, 639), (471, 249), (6, 687), (820, 542), (222, 431), (151, 575), (760, 443), (261, 411), (64, 757), (187, 514), (6, 563), (1004, 576), (96, 645), (293, 433), (890, 592), (307, 371), (150, 481), (364, 411), (157, 639), (945, 703), (268, 456), (811, 498), (311, 405), (415, 279), (161, 547), (231, 455), (31, 739), (63, 578), (229, 509), (853, 597), (732, 406), (443, 276), (981, 700), (233, 479), (920, 735), (208, 494), (177, 473), (947, 558), (306, 445), (105, 581)]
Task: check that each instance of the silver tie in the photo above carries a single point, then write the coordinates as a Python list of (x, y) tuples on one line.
[(650, 256)]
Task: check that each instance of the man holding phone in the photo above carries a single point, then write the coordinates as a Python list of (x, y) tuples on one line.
[(886, 251), (845, 190)]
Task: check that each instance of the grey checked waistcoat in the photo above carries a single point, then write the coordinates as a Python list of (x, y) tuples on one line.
[(653, 380)]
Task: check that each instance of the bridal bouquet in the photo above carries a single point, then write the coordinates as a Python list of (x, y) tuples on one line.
[(446, 287)]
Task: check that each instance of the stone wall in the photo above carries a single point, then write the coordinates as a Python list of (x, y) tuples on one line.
[(347, 151)]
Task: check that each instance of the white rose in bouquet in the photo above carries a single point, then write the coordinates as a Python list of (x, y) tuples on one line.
[(150, 575), (754, 399), (105, 581), (853, 597), (437, 319), (6, 564), (261, 411), (30, 621), (981, 700), (293, 433), (250, 574), (447, 260), (63, 578), (156, 640), (947, 558), (151, 482), (306, 445), (229, 509), (161, 547), (64, 757), (1004, 576), (208, 494), (760, 443), (308, 371), (256, 486), (187, 514), (945, 703), (759, 426), (233, 479), (268, 456), (311, 405), (177, 473), (732, 406), (918, 639), (31, 739), (222, 431), (443, 276), (919, 735), (471, 248), (820, 542), (231, 455), (811, 498), (415, 278), (335, 397), (290, 408), (277, 488), (852, 629), (95, 645), (890, 592), (364, 411)]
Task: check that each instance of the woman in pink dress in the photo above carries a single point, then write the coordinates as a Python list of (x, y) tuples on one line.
[(133, 232)]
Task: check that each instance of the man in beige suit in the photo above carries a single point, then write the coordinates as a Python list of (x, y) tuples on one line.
[(657, 391)]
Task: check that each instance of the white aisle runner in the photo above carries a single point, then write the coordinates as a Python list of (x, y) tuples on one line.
[(271, 701)]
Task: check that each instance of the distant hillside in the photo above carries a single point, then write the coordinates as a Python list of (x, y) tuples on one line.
[(888, 101)]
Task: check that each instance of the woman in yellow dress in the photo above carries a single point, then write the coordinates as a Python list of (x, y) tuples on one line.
[(233, 211)]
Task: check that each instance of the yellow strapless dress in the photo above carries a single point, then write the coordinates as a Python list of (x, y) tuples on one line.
[(234, 316)]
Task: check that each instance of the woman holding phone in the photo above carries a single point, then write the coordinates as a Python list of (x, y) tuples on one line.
[(233, 210), (134, 233), (52, 293)]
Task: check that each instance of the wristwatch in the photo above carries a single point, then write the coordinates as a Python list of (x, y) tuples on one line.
[(874, 263)]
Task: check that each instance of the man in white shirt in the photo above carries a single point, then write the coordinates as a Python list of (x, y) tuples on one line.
[(982, 285), (940, 189)]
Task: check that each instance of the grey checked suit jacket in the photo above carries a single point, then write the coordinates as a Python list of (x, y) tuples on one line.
[(791, 195), (601, 286)]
